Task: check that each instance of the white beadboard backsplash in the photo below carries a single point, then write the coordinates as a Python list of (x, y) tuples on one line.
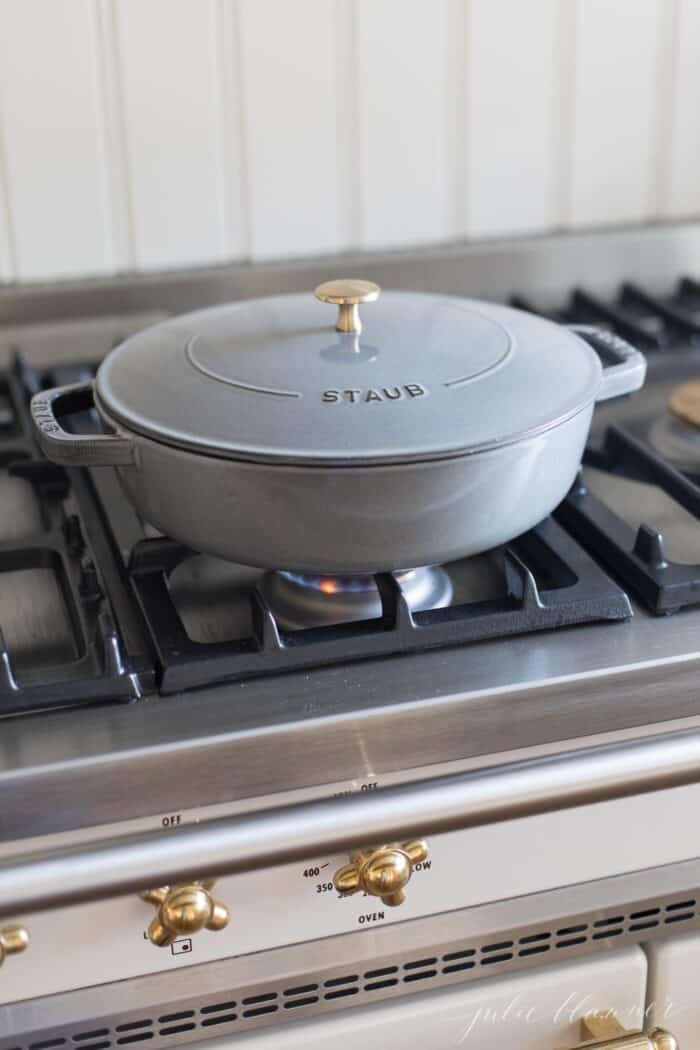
[(149, 134)]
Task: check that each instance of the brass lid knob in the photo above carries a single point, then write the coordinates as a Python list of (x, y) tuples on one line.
[(184, 910), (604, 1030), (382, 872), (13, 939), (348, 294)]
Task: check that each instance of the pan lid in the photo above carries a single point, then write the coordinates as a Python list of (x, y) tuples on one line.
[(294, 380)]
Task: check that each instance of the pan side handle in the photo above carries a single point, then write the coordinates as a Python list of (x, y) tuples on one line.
[(624, 367), (75, 450)]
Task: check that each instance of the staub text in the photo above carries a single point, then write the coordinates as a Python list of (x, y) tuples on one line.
[(359, 395)]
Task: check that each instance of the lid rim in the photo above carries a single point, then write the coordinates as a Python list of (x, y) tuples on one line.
[(269, 459)]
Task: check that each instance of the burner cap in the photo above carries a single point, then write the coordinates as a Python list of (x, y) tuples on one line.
[(298, 600), (685, 402)]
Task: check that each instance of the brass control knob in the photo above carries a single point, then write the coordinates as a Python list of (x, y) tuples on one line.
[(604, 1030), (184, 910), (13, 939), (381, 872), (348, 294)]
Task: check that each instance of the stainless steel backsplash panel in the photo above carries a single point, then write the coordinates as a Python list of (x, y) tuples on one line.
[(545, 267)]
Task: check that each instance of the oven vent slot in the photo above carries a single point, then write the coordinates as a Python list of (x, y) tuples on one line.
[(244, 1008)]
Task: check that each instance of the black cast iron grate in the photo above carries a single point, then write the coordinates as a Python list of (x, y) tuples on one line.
[(649, 322), (636, 555), (110, 660), (577, 591)]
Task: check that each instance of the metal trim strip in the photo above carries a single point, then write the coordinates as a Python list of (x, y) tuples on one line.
[(250, 842)]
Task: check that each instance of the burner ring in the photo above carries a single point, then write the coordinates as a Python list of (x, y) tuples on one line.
[(299, 601)]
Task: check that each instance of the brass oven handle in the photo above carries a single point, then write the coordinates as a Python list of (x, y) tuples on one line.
[(13, 939), (603, 1031)]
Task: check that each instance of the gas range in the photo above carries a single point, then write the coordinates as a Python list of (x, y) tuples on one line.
[(168, 717)]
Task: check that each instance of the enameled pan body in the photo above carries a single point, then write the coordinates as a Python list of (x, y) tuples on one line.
[(354, 519)]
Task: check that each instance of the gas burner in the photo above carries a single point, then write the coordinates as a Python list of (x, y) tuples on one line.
[(676, 434), (300, 600)]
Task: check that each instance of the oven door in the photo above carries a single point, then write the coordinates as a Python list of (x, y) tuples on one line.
[(673, 999), (539, 1010)]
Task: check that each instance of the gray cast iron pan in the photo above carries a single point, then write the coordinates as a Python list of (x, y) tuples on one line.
[(282, 433)]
